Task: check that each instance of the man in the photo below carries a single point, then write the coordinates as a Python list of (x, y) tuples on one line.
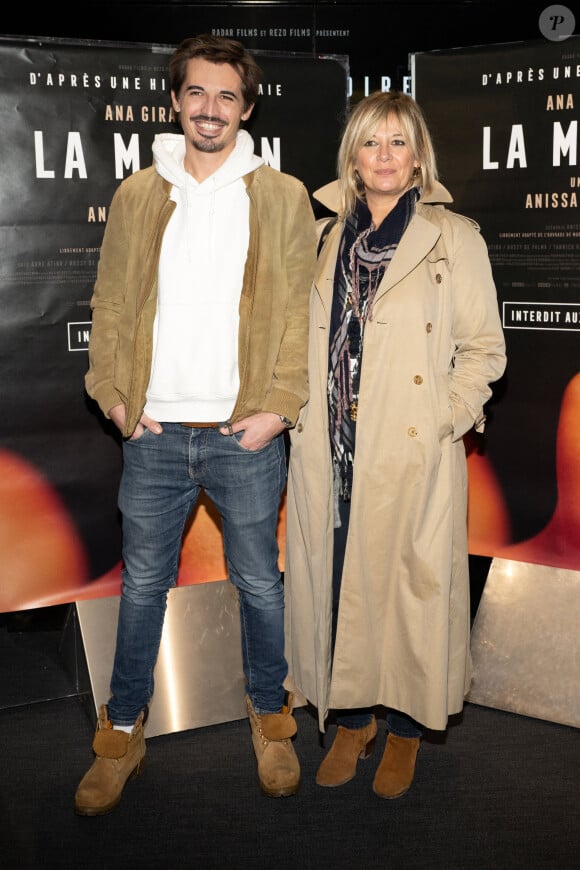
[(198, 355)]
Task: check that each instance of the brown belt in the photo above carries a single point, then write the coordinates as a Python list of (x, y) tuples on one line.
[(203, 425)]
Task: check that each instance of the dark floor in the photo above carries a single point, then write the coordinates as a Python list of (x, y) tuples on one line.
[(498, 791)]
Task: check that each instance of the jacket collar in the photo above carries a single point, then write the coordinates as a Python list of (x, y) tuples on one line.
[(329, 195), (417, 244)]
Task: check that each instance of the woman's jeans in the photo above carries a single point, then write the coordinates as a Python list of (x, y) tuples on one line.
[(161, 481), (397, 723)]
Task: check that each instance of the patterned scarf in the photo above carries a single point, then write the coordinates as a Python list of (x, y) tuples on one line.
[(364, 254)]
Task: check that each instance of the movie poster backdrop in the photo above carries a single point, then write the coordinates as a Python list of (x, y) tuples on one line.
[(77, 117), (505, 124)]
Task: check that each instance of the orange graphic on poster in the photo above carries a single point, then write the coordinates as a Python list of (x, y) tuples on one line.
[(558, 544), (44, 560)]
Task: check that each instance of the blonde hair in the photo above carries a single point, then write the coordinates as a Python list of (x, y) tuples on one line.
[(362, 122)]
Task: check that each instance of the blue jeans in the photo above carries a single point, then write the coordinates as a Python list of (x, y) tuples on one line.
[(397, 723), (161, 481)]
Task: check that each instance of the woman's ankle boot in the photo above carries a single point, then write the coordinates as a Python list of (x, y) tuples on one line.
[(397, 768), (350, 744)]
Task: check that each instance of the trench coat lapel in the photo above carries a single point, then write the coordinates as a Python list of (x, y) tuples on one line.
[(419, 238), (324, 275)]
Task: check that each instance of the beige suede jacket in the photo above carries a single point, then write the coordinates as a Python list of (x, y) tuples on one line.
[(274, 304)]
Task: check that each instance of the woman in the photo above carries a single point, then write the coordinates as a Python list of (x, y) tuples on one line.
[(405, 338)]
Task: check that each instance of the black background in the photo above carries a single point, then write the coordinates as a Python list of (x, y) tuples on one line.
[(378, 36)]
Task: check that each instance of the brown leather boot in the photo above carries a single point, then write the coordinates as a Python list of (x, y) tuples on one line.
[(397, 768), (350, 744), (278, 767), (119, 756)]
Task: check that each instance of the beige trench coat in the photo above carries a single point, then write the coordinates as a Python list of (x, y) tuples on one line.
[(431, 350)]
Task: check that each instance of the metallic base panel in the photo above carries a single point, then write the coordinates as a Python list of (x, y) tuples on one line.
[(525, 642), (198, 677)]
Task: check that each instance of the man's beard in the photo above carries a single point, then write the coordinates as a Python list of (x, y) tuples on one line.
[(208, 147)]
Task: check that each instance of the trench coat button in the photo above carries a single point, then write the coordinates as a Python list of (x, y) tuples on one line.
[(299, 427), (418, 379), (412, 432), (438, 278), (429, 327)]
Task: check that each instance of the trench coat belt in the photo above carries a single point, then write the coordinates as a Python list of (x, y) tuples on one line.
[(203, 425)]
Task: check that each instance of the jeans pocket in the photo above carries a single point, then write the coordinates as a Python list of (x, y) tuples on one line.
[(141, 437), (236, 440)]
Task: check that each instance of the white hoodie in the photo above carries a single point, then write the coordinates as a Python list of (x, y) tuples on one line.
[(194, 374)]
